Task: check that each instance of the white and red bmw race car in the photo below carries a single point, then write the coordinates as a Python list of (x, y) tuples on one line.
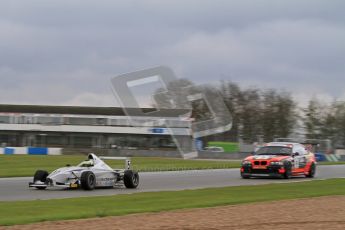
[(279, 159)]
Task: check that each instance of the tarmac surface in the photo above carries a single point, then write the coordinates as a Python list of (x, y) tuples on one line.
[(17, 188)]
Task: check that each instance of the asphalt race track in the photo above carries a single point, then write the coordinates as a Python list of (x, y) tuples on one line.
[(17, 188)]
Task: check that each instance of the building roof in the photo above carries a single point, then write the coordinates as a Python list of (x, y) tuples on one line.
[(85, 110)]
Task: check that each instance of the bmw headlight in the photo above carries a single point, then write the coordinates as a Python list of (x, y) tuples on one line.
[(280, 163)]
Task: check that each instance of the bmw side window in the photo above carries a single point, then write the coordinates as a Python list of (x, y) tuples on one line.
[(285, 150), (303, 151), (297, 152)]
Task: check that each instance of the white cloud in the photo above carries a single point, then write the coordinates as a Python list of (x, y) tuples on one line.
[(294, 55), (92, 99), (68, 50)]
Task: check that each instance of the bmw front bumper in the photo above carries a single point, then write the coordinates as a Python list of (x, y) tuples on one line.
[(269, 171)]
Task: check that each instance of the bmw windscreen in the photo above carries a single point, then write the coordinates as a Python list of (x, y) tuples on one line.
[(274, 150)]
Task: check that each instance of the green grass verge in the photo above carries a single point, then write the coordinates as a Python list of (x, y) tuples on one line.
[(331, 163), (230, 147), (26, 165), (22, 212)]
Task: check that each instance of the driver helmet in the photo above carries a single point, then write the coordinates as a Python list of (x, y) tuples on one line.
[(87, 163)]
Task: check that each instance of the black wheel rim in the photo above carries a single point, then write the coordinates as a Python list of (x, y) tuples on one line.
[(135, 179), (91, 180)]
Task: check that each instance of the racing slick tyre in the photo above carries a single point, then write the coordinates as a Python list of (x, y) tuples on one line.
[(312, 171), (288, 168), (131, 179), (41, 175), (88, 180)]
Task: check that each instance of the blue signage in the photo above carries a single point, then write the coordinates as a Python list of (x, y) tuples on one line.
[(158, 130)]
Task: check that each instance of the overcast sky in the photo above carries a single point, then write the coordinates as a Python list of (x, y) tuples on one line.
[(65, 52)]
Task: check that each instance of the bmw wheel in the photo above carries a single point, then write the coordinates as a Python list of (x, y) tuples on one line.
[(288, 168), (244, 176), (312, 171)]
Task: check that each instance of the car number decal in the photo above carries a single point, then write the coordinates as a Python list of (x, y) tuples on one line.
[(296, 162)]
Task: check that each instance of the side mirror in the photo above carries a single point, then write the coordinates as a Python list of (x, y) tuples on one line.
[(68, 165)]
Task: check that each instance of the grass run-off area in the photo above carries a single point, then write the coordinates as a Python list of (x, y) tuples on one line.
[(26, 165), (22, 212)]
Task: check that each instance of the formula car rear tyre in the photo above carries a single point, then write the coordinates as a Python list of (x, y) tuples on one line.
[(40, 175), (312, 171), (88, 180), (131, 179)]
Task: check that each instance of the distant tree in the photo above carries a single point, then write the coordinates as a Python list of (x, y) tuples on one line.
[(250, 115), (232, 96), (329, 126), (325, 121), (171, 96), (204, 101), (313, 119), (269, 112), (339, 124), (254, 112), (286, 115), (257, 113), (279, 114)]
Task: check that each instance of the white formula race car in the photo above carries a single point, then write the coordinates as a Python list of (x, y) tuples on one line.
[(89, 174)]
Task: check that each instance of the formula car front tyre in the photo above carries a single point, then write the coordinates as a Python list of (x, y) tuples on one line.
[(88, 180), (131, 179), (40, 175)]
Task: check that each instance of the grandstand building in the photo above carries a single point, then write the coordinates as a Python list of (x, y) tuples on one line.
[(91, 127)]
